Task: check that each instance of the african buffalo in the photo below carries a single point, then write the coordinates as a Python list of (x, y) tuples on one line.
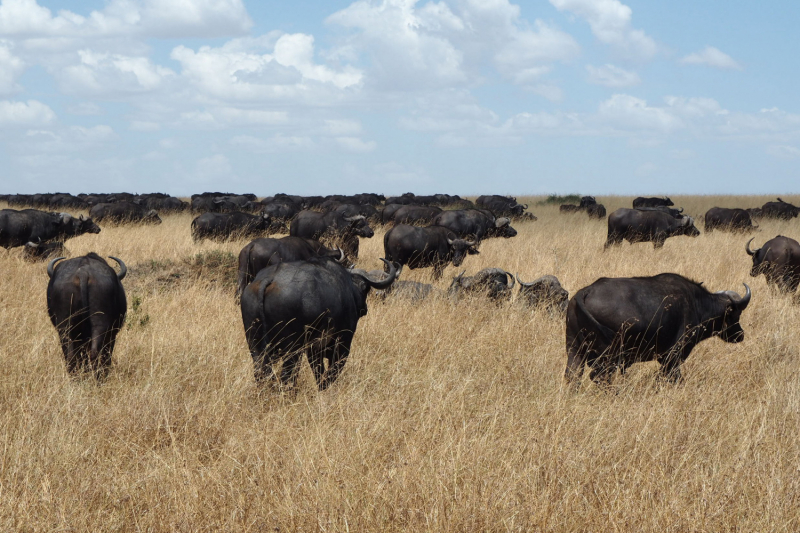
[(652, 202), (264, 252), (475, 223), (86, 303), (310, 307), (728, 219), (415, 214), (545, 292), (780, 209), (615, 322), (501, 206), (237, 225), (343, 231), (489, 282), (636, 225), (434, 246), (779, 260), (32, 225), (121, 212)]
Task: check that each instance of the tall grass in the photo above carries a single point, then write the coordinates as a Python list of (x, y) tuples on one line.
[(447, 417)]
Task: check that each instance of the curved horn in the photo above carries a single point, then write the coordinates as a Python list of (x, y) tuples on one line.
[(525, 206), (747, 247), (384, 283), (743, 302), (470, 243), (354, 218), (33, 244), (450, 241), (512, 280), (122, 268), (51, 265), (522, 282), (680, 210), (341, 256)]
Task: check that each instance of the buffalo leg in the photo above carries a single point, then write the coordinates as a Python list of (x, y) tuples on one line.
[(612, 240), (290, 367), (337, 357), (576, 361)]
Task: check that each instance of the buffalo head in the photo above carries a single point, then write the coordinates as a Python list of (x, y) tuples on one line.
[(687, 223), (459, 248), (359, 226), (730, 330), (502, 228), (758, 258)]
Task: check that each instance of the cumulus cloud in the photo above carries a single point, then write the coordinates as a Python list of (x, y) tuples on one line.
[(11, 67), (441, 45), (30, 113), (276, 143), (239, 70), (610, 21), (151, 18), (612, 76), (711, 57), (103, 73), (630, 113), (355, 144)]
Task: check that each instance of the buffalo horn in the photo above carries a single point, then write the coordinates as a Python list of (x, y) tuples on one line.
[(512, 280), (51, 265), (744, 300), (525, 206), (680, 210), (354, 218), (380, 284), (470, 243), (502, 222), (81, 217), (747, 247), (522, 282), (341, 255), (33, 244), (122, 268)]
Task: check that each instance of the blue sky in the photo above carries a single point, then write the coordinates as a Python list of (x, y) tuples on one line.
[(457, 96)]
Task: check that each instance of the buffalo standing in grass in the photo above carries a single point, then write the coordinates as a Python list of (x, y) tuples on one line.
[(121, 212), (637, 225), (779, 260), (264, 252), (475, 223), (224, 226), (652, 202), (86, 303), (728, 220), (31, 225), (434, 246), (780, 210), (310, 307), (615, 322), (343, 231)]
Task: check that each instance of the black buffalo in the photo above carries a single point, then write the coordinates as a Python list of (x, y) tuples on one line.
[(615, 322), (780, 209), (501, 206), (415, 214), (588, 204), (545, 292), (475, 224), (434, 246), (728, 219), (237, 225), (490, 282), (86, 303), (636, 225), (674, 213), (31, 225), (39, 251), (310, 307), (120, 212), (652, 202), (342, 231), (779, 260), (264, 252)]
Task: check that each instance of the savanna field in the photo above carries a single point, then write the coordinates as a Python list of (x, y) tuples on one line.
[(449, 416)]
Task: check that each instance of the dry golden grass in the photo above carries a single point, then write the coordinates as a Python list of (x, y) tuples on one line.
[(446, 418)]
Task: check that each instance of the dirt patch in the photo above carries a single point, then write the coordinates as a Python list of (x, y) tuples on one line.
[(216, 268)]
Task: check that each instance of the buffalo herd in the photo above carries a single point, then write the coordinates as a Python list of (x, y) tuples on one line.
[(302, 295)]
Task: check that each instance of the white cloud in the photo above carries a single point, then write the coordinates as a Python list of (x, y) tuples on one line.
[(11, 67), (339, 127), (630, 113), (612, 76), (155, 18), (212, 169), (144, 126), (354, 144), (276, 143), (239, 70), (85, 108), (610, 21), (103, 73), (30, 113), (784, 152), (711, 57)]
